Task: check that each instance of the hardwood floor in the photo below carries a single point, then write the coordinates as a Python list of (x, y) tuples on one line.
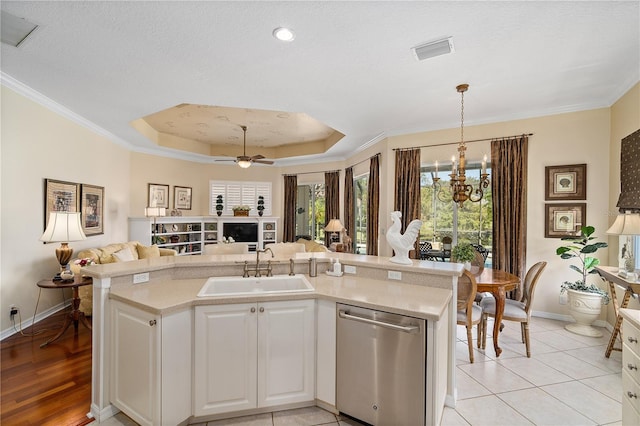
[(50, 385)]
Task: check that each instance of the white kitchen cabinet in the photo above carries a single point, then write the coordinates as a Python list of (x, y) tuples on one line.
[(326, 352), (630, 367), (253, 355), (150, 360)]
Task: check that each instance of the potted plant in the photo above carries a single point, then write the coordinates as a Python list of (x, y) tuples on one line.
[(241, 210), (260, 205), (463, 253), (219, 205), (585, 300)]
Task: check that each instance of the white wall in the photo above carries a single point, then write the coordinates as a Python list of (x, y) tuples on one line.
[(38, 143)]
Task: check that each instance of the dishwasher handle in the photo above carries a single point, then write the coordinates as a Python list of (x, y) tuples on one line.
[(411, 329)]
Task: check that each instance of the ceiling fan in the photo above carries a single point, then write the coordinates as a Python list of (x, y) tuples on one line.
[(244, 160)]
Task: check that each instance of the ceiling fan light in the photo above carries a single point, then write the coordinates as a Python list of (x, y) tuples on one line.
[(245, 164)]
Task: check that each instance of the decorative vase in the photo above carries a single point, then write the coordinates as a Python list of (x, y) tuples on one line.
[(585, 309), (260, 212), (66, 275), (630, 264), (219, 212)]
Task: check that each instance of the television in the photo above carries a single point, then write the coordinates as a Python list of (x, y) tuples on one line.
[(241, 232)]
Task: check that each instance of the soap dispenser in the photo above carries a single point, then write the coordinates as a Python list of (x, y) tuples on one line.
[(337, 267)]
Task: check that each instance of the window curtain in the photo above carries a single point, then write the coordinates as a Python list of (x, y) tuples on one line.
[(349, 207), (509, 188), (332, 200), (373, 205), (629, 199), (407, 194), (290, 200)]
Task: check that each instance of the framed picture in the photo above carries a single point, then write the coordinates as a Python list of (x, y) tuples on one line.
[(566, 182), (158, 195), (60, 196), (182, 197), (564, 219), (92, 208)]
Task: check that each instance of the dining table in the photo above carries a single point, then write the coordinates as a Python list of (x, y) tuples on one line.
[(497, 282)]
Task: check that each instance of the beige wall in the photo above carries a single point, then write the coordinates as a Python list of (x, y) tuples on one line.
[(38, 143)]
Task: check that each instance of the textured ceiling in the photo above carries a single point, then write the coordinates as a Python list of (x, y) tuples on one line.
[(350, 66)]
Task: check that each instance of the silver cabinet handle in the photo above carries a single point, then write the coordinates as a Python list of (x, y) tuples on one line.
[(631, 367), (261, 309), (152, 323), (632, 395), (406, 329), (253, 310), (632, 340)]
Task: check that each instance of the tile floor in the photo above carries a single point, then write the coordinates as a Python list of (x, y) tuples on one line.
[(567, 381)]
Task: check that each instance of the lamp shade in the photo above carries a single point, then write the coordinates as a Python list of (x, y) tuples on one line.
[(334, 225), (626, 224), (63, 227), (155, 211)]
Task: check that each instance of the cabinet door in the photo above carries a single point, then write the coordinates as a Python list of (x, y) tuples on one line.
[(225, 358), (286, 352), (135, 369)]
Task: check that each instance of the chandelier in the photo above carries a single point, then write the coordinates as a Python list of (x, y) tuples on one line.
[(460, 190)]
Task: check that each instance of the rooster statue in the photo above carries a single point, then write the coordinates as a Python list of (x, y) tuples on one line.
[(402, 243)]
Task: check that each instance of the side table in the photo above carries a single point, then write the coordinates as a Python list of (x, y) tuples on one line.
[(610, 274), (75, 314)]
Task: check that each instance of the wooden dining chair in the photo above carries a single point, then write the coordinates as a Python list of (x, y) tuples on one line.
[(469, 313), (514, 310)]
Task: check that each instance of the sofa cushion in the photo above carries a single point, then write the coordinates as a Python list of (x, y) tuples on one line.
[(123, 255), (147, 252), (312, 246)]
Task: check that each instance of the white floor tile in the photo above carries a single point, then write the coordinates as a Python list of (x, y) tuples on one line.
[(468, 387), (594, 355), (493, 376), (610, 385), (489, 410), (451, 417), (560, 340), (574, 367), (543, 409), (254, 420), (591, 403), (303, 416), (534, 371)]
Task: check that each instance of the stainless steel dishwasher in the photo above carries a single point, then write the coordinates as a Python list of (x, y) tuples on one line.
[(380, 366)]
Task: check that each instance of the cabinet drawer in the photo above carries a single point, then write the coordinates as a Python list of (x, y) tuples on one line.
[(630, 391), (631, 363), (631, 337), (629, 415)]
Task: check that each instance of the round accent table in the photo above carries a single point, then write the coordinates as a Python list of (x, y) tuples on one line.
[(75, 314)]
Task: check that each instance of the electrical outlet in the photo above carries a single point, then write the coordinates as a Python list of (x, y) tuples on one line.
[(349, 269), (140, 278), (13, 310), (394, 275)]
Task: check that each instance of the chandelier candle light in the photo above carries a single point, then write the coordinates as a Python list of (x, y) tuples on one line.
[(461, 191)]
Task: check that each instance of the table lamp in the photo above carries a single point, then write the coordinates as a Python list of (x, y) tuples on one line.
[(63, 228), (626, 224), (154, 212), (334, 226)]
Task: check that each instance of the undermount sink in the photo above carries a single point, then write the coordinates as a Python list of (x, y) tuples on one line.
[(236, 286)]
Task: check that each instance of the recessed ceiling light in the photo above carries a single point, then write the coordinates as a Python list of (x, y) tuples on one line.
[(284, 34), (15, 30)]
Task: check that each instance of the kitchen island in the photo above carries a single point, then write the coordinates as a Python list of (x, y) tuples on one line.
[(164, 317)]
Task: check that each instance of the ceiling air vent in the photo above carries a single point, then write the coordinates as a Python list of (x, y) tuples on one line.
[(433, 48)]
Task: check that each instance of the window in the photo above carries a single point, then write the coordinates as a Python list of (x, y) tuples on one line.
[(475, 220), (310, 208), (360, 191)]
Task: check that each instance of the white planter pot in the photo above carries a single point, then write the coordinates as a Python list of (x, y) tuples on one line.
[(585, 309)]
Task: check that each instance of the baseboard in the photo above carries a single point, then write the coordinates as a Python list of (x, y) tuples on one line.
[(29, 321), (569, 318)]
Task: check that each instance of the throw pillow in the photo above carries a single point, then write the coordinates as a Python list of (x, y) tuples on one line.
[(123, 255), (147, 252)]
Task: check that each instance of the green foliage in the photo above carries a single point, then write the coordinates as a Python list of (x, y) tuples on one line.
[(463, 252), (580, 246)]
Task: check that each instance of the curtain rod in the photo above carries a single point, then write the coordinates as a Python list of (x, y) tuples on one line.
[(366, 159), (457, 143), (309, 173)]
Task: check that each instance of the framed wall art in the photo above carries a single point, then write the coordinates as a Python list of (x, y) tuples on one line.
[(182, 197), (566, 182), (92, 208), (158, 195), (564, 219), (60, 196)]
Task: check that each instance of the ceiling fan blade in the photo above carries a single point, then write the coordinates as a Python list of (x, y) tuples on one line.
[(263, 161), (257, 157), (227, 160)]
